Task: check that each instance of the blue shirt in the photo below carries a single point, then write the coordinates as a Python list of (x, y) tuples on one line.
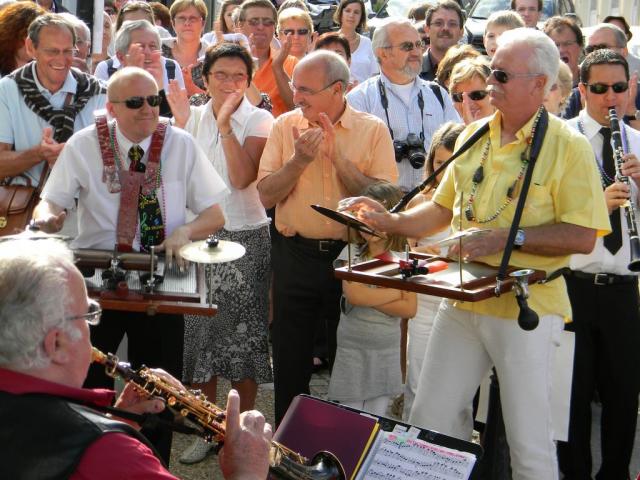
[(22, 128), (405, 118)]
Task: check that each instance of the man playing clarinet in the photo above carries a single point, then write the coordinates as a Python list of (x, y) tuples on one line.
[(563, 214), (602, 289)]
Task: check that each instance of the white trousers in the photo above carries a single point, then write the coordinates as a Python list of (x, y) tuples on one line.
[(462, 348), (376, 406)]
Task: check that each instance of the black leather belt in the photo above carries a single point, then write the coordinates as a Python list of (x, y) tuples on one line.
[(321, 245), (603, 278)]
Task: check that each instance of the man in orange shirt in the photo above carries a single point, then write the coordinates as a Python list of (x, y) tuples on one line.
[(317, 154), (258, 20)]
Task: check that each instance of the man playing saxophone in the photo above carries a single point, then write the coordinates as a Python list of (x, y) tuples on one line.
[(51, 427), (602, 289)]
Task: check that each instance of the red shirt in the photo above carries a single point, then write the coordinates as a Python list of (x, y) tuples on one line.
[(114, 455)]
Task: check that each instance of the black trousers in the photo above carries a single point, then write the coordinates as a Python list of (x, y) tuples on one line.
[(305, 291), (607, 358), (155, 341)]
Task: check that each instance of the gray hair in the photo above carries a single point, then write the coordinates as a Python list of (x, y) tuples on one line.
[(77, 23), (620, 36), (380, 37), (123, 36), (33, 299), (545, 59), (335, 68), (505, 18), (49, 20)]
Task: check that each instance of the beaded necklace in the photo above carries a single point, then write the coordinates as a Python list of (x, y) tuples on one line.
[(148, 178), (478, 177), (605, 179)]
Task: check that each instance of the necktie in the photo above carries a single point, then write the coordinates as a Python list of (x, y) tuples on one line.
[(613, 241), (135, 156)]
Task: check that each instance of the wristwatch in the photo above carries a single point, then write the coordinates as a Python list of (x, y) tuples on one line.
[(519, 240), (631, 118)]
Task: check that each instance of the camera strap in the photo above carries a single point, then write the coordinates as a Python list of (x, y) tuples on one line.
[(385, 104)]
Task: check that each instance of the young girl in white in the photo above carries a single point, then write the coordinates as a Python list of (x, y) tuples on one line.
[(366, 372)]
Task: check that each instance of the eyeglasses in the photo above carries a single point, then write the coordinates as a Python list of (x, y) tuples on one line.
[(474, 95), (409, 46), (235, 78), (56, 52), (503, 77), (92, 316), (441, 24), (265, 21), (301, 32), (602, 88), (601, 46), (566, 43), (187, 20), (135, 103), (307, 91)]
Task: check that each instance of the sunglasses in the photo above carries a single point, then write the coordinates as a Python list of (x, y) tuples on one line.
[(503, 77), (135, 103), (601, 88), (474, 95), (301, 32), (409, 46), (92, 316)]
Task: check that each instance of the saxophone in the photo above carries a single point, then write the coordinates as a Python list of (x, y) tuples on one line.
[(284, 463)]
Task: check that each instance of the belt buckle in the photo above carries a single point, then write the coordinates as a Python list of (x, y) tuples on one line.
[(323, 245), (601, 279)]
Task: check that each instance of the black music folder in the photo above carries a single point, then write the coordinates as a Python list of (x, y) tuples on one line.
[(374, 447)]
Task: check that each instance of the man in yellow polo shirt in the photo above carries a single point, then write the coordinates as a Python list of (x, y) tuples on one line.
[(564, 212)]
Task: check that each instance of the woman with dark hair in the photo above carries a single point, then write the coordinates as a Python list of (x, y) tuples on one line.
[(352, 18), (232, 132), (14, 22)]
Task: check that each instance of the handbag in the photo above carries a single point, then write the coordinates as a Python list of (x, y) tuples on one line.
[(17, 203)]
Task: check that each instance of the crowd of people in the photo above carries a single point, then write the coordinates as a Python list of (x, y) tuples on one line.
[(171, 133)]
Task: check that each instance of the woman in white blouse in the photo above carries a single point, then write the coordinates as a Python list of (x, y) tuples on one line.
[(352, 18), (232, 132)]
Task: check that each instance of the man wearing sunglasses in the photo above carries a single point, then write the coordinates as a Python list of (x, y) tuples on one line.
[(564, 209), (602, 289), (50, 423), (408, 104), (134, 178)]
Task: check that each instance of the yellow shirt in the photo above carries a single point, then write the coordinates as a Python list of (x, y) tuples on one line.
[(565, 188), (360, 137)]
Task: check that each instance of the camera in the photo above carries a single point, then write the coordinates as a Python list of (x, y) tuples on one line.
[(412, 148)]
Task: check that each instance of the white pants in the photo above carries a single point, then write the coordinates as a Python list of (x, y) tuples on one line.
[(462, 349), (376, 406), (418, 333)]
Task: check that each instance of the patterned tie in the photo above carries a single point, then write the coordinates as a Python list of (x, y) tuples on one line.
[(135, 156), (613, 241)]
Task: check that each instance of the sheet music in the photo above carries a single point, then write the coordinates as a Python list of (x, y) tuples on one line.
[(400, 457)]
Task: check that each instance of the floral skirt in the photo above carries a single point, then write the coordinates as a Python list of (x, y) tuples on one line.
[(233, 343)]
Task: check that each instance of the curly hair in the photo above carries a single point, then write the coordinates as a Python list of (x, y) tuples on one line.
[(14, 23)]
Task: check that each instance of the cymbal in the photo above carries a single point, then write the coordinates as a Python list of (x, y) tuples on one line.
[(346, 219), (201, 252)]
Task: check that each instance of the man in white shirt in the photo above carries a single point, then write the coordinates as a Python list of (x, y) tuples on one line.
[(602, 289), (412, 108), (101, 165)]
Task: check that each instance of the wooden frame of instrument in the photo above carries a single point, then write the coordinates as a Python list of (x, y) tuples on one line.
[(471, 291)]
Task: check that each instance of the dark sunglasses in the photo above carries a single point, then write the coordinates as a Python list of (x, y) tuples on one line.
[(601, 88), (503, 77), (592, 48), (135, 103), (300, 32), (409, 46), (473, 95)]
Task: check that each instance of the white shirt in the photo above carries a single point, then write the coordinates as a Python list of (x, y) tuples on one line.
[(242, 208), (364, 63), (22, 128), (188, 180), (102, 71), (600, 260), (404, 116), (236, 37)]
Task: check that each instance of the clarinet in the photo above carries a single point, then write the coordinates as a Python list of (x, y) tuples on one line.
[(284, 463), (628, 207)]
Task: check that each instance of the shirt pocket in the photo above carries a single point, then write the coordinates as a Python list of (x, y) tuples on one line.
[(539, 207)]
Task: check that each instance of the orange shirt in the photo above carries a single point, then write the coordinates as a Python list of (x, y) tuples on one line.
[(266, 82), (360, 137)]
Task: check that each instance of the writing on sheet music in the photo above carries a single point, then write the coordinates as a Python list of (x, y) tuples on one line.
[(398, 458)]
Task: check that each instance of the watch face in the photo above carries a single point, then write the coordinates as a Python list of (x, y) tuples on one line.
[(519, 240)]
